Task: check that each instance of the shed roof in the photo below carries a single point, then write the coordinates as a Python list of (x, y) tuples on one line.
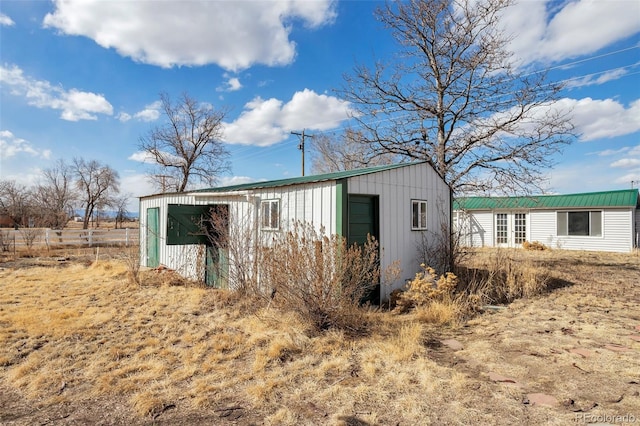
[(308, 179), (621, 198)]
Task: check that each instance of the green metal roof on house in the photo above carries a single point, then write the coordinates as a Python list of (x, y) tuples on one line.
[(622, 198), (308, 179)]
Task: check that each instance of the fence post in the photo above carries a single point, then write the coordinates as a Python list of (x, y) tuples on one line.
[(90, 237), (46, 237), (126, 237)]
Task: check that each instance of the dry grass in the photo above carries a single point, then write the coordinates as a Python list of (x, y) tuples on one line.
[(81, 342)]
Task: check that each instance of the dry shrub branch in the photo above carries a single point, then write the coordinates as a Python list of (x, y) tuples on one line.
[(320, 277)]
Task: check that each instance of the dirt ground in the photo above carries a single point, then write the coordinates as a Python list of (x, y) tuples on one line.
[(570, 356)]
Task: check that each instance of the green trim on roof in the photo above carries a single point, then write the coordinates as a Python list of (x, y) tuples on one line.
[(308, 179), (621, 198)]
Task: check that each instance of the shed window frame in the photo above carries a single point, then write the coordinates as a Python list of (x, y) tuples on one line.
[(418, 215), (270, 214), (580, 223)]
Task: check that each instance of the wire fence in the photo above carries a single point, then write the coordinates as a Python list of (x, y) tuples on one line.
[(12, 240)]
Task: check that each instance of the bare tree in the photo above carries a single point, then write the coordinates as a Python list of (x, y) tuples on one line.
[(16, 202), (345, 152), (98, 185), (120, 204), (454, 97), (187, 148), (56, 195)]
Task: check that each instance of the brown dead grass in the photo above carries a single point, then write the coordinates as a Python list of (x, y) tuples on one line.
[(83, 343)]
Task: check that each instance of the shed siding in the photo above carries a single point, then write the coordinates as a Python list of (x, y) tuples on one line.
[(396, 188), (312, 203), (637, 228), (188, 260)]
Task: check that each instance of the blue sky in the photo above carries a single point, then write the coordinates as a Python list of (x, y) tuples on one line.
[(82, 78)]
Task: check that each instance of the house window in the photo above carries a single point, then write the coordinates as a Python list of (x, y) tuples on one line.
[(581, 223), (270, 214), (418, 215)]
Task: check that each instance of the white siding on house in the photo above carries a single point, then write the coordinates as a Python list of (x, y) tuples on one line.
[(617, 230), (477, 229), (396, 188)]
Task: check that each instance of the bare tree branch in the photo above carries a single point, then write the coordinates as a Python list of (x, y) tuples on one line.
[(452, 96), (188, 147)]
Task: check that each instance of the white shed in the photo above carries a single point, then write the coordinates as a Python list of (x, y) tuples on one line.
[(598, 221), (397, 204)]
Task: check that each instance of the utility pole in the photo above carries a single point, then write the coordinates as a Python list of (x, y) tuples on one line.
[(301, 145)]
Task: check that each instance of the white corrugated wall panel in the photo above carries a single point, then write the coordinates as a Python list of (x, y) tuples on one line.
[(396, 188), (188, 260), (637, 228)]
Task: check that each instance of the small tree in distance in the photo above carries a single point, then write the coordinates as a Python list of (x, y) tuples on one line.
[(187, 148), (98, 185)]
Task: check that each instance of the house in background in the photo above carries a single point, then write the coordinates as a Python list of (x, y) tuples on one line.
[(397, 204), (599, 221)]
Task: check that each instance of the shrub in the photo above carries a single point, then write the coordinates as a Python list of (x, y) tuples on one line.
[(535, 245), (320, 277), (426, 288), (433, 298), (503, 278)]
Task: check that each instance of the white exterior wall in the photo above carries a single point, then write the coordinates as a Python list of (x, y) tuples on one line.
[(476, 229), (313, 203), (617, 230), (188, 260), (637, 229), (396, 188)]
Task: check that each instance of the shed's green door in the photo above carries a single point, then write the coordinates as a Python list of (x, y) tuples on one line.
[(363, 218), (153, 240), (217, 267), (363, 221)]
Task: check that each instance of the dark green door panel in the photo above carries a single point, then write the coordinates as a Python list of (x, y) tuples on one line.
[(363, 220)]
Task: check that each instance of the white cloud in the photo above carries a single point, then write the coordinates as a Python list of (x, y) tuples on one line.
[(626, 163), (231, 85), (235, 35), (546, 31), (596, 119), (10, 146), (236, 180), (150, 112), (610, 152), (5, 20), (266, 122), (596, 79), (74, 104), (142, 157)]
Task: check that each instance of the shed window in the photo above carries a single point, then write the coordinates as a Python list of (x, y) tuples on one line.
[(185, 224), (270, 214), (418, 215), (580, 223)]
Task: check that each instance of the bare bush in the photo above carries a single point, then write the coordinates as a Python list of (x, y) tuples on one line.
[(320, 277), (503, 278), (7, 242), (442, 250)]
